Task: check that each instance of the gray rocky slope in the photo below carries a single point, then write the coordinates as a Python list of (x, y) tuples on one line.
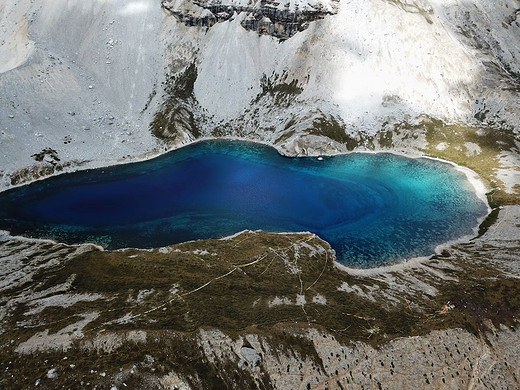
[(88, 79), (92, 83)]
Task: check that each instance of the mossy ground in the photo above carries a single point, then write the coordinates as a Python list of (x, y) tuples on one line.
[(176, 112), (231, 286), (278, 88), (333, 129), (492, 144)]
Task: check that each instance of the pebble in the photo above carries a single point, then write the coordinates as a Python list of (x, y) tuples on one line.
[(52, 374)]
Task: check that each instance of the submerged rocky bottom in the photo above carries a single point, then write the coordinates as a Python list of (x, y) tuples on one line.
[(374, 209)]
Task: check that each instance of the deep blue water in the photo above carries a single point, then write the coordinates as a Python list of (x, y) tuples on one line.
[(373, 209)]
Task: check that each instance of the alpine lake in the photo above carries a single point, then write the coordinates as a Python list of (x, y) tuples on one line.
[(374, 209)]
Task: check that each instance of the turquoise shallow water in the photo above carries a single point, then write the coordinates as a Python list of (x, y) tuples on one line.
[(374, 209)]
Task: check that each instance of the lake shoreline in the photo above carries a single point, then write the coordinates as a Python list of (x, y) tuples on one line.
[(469, 175)]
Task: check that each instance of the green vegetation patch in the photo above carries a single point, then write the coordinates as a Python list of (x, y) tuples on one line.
[(254, 280), (488, 222), (482, 297), (277, 87), (53, 155), (274, 285), (330, 127), (176, 113), (386, 139), (476, 148), (181, 86)]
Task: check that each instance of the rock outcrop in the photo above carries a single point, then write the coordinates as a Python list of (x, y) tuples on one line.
[(266, 17)]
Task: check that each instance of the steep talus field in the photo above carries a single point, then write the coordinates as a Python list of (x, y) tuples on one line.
[(96, 82)]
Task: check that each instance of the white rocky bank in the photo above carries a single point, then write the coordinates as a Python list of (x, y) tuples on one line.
[(85, 78)]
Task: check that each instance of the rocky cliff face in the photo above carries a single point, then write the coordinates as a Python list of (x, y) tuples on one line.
[(351, 73), (265, 17)]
